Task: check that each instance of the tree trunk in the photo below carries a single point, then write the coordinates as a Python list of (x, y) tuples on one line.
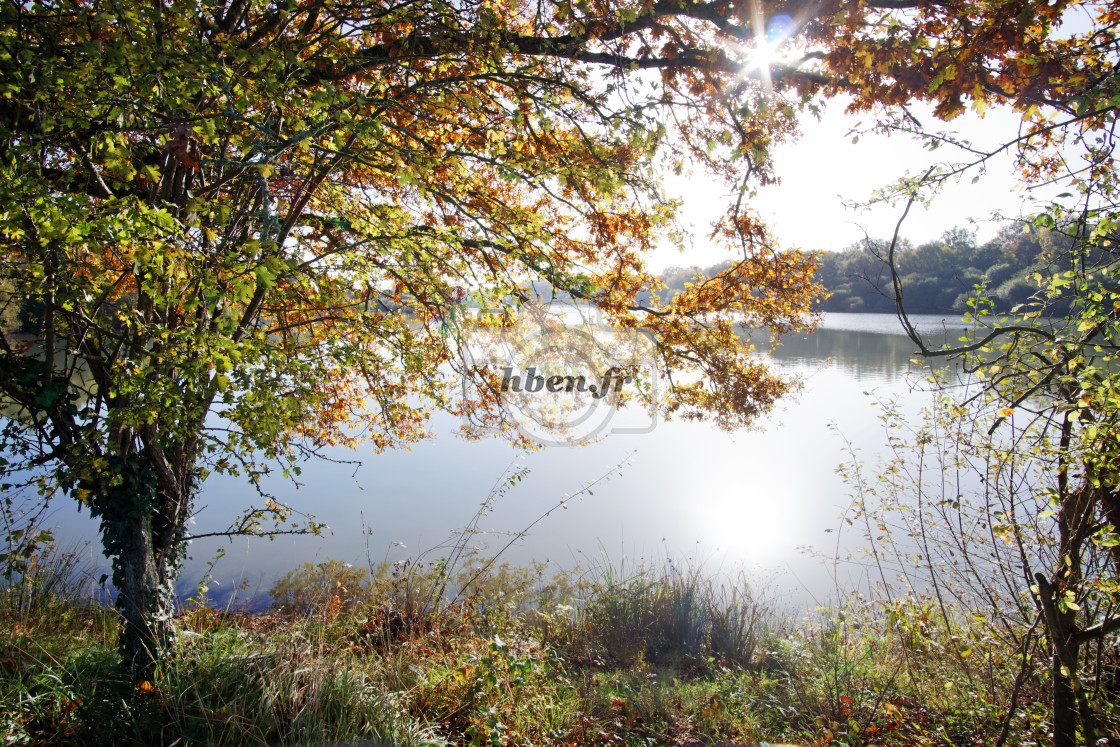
[(1065, 707), (142, 534), (1075, 512), (143, 598)]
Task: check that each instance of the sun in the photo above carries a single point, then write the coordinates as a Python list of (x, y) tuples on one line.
[(770, 47)]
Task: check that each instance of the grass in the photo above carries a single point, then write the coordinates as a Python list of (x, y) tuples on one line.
[(416, 655)]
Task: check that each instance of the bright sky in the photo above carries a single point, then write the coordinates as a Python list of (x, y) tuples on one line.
[(824, 170)]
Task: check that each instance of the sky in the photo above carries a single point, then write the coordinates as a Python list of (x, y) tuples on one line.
[(823, 171)]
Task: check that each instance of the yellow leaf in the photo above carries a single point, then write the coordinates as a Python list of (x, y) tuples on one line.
[(1005, 412)]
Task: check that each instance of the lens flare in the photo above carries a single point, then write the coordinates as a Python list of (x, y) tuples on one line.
[(780, 28)]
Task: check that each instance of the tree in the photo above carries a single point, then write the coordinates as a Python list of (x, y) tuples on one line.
[(1048, 387), (1052, 360), (964, 519), (237, 230)]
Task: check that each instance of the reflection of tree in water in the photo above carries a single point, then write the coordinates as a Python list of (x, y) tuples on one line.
[(866, 356)]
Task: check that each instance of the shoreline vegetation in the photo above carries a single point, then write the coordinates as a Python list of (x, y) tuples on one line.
[(661, 655)]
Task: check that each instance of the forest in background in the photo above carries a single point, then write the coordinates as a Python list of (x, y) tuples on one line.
[(938, 277)]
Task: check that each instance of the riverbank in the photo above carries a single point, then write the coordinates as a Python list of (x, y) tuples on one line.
[(650, 656)]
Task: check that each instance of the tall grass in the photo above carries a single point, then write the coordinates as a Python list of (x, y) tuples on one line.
[(50, 585), (670, 615), (233, 686), (664, 655)]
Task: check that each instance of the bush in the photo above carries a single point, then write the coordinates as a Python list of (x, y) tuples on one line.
[(675, 617), (310, 588)]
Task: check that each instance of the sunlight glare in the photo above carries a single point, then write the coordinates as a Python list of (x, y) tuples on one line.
[(769, 39)]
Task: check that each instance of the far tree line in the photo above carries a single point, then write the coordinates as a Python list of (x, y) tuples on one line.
[(938, 277)]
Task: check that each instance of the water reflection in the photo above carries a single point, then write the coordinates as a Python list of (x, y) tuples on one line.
[(867, 347), (687, 491)]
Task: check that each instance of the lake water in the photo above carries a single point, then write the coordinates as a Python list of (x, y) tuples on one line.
[(747, 500)]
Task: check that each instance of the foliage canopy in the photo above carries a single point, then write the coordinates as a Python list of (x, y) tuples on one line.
[(236, 231)]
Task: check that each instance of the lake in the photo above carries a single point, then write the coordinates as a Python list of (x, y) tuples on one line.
[(749, 501)]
